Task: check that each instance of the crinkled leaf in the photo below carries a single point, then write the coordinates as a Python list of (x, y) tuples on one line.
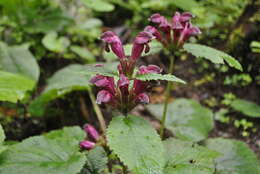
[(19, 60), (236, 157), (53, 153), (246, 107), (136, 143), (71, 78), (212, 54), (55, 44), (153, 76), (14, 86), (99, 5), (187, 119), (186, 157)]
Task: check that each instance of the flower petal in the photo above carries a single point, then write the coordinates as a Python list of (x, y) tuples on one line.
[(104, 96)]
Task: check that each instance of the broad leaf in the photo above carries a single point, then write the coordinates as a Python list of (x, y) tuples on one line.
[(153, 76), (13, 86), (19, 60), (246, 107), (53, 153), (236, 157), (83, 53), (96, 161), (55, 44), (212, 54), (71, 78), (186, 157), (136, 143), (99, 5), (185, 4), (187, 119)]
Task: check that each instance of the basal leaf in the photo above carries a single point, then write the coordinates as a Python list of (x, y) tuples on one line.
[(246, 107), (137, 144), (236, 157), (14, 86), (153, 76), (212, 54), (53, 153), (186, 157), (55, 44), (19, 60), (187, 119)]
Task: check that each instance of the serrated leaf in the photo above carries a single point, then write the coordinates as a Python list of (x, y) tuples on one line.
[(53, 153), (99, 5), (212, 54), (137, 144), (96, 161), (236, 158), (52, 42), (187, 119), (246, 107), (153, 76), (19, 60), (186, 157), (71, 78), (13, 86)]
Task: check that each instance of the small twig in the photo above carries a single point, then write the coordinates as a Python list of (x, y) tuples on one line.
[(97, 111), (83, 108)]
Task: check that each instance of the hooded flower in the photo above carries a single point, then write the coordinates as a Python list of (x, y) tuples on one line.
[(91, 132), (141, 44), (112, 40), (88, 145)]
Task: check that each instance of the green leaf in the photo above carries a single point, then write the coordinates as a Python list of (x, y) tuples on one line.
[(13, 86), (71, 78), (99, 5), (19, 60), (84, 53), (153, 76), (2, 138), (55, 44), (137, 144), (185, 4), (212, 54), (236, 157), (246, 107), (54, 153), (187, 119), (186, 157), (96, 161)]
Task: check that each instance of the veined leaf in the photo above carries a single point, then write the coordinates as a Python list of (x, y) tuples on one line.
[(19, 60), (186, 157), (212, 54), (153, 76), (246, 107), (187, 119), (236, 158), (14, 86), (54, 153), (99, 5), (137, 144)]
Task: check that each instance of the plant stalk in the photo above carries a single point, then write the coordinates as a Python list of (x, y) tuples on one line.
[(97, 110), (168, 91)]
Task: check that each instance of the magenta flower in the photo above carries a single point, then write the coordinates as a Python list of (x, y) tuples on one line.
[(88, 145), (104, 96), (181, 28), (91, 132), (149, 69), (142, 98), (115, 43), (141, 44), (123, 84)]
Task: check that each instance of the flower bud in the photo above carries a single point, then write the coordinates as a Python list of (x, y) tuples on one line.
[(149, 69), (142, 98), (104, 96), (91, 132), (123, 84), (88, 145)]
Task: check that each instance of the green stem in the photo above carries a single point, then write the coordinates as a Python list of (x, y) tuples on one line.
[(97, 111), (168, 91)]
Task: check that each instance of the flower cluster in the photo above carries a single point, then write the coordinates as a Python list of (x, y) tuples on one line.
[(125, 93), (177, 32), (92, 135)]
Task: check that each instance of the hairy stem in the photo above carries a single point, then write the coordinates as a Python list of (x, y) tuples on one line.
[(168, 91), (97, 111)]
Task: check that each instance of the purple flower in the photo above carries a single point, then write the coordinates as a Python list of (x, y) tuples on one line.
[(123, 84), (187, 32), (88, 145), (141, 44), (149, 69), (154, 32), (142, 98), (104, 96), (91, 132), (104, 82), (115, 43), (179, 20)]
